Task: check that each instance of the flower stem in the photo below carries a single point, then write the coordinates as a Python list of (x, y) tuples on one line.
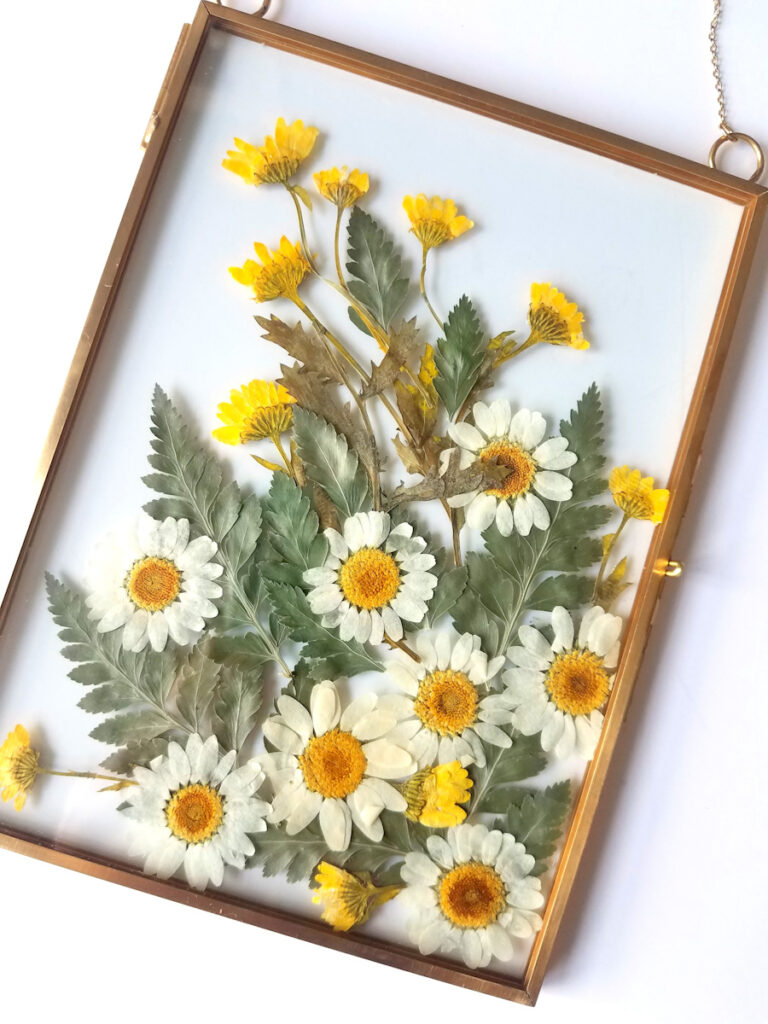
[(422, 286), (339, 271), (456, 535), (302, 229), (283, 455), (88, 775), (401, 646), (606, 555)]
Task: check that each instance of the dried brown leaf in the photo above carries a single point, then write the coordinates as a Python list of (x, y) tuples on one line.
[(302, 344), (403, 342)]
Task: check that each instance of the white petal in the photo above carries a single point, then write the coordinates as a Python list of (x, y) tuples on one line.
[(586, 737), (484, 419), (325, 598), (387, 761), (603, 634), (467, 436), (336, 823), (325, 707), (354, 531), (538, 511), (348, 624), (282, 737), (295, 716), (562, 624), (440, 851), (588, 620), (505, 518), (305, 809), (363, 628), (462, 650), (337, 544), (530, 717), (565, 745), (393, 627), (533, 640), (319, 576), (481, 512), (554, 486), (553, 730), (492, 734), (471, 948), (199, 551), (502, 416), (135, 631), (523, 517)]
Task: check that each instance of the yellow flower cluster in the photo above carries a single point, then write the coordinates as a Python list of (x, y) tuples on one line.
[(435, 220), (635, 494), (278, 273), (434, 795), (554, 319), (18, 767), (348, 899), (255, 411), (277, 160), (341, 187)]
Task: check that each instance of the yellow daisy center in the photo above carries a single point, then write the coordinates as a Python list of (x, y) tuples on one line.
[(333, 764), (635, 502), (577, 682), (522, 468), (195, 813), (153, 583), (472, 895), (369, 578), (446, 702)]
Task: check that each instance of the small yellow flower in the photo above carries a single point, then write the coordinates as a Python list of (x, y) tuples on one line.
[(277, 160), (18, 766), (342, 187), (278, 273), (257, 410), (554, 319), (434, 795), (435, 220), (348, 899), (635, 494)]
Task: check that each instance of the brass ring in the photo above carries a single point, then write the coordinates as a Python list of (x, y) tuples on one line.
[(257, 14), (739, 137)]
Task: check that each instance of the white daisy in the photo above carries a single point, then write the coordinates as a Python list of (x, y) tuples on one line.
[(448, 714), (334, 765), (474, 893), (152, 582), (374, 577), (557, 689), (516, 442), (195, 809)]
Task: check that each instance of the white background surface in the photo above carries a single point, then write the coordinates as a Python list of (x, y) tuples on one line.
[(666, 920)]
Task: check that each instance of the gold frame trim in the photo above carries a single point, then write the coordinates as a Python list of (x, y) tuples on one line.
[(753, 200)]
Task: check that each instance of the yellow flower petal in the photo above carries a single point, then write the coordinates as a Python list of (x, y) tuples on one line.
[(18, 766), (434, 795), (278, 159), (347, 899), (277, 275), (553, 319), (342, 187), (635, 494), (259, 409), (435, 220)]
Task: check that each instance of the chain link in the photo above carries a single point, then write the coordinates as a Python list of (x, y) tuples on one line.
[(713, 49)]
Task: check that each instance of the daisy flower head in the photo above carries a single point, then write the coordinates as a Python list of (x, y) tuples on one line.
[(255, 411), (334, 764), (154, 582), (194, 809), (472, 893), (558, 688), (348, 899), (435, 795), (448, 716), (277, 160), (435, 220), (517, 443), (375, 576), (274, 274), (18, 767), (341, 186), (636, 496), (553, 319)]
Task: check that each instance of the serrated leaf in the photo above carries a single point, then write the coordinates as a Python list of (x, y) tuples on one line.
[(403, 346), (240, 542), (124, 760), (536, 820), (236, 705), (301, 343), (584, 430), (570, 591), (119, 679), (358, 321), (330, 464), (197, 681), (136, 726), (459, 355), (248, 652), (293, 525), (374, 268), (489, 605), (339, 657), (505, 766), (449, 589)]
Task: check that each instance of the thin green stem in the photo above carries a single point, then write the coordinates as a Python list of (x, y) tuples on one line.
[(339, 271), (302, 229), (283, 455), (456, 532), (423, 287), (88, 775), (606, 555)]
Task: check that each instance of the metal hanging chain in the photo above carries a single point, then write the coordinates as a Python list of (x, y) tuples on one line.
[(728, 134)]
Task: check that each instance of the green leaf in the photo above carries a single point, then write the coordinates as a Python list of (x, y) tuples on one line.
[(584, 431), (329, 463), (303, 195), (357, 320), (488, 604), (505, 766), (449, 589), (339, 657), (459, 355), (536, 820), (248, 652), (293, 525), (240, 542), (566, 590), (374, 268), (124, 760), (197, 681), (191, 476), (136, 726), (236, 704), (121, 679)]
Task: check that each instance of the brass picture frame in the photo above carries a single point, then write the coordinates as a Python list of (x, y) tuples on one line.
[(751, 198)]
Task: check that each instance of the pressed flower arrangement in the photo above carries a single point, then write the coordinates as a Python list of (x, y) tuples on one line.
[(476, 665)]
